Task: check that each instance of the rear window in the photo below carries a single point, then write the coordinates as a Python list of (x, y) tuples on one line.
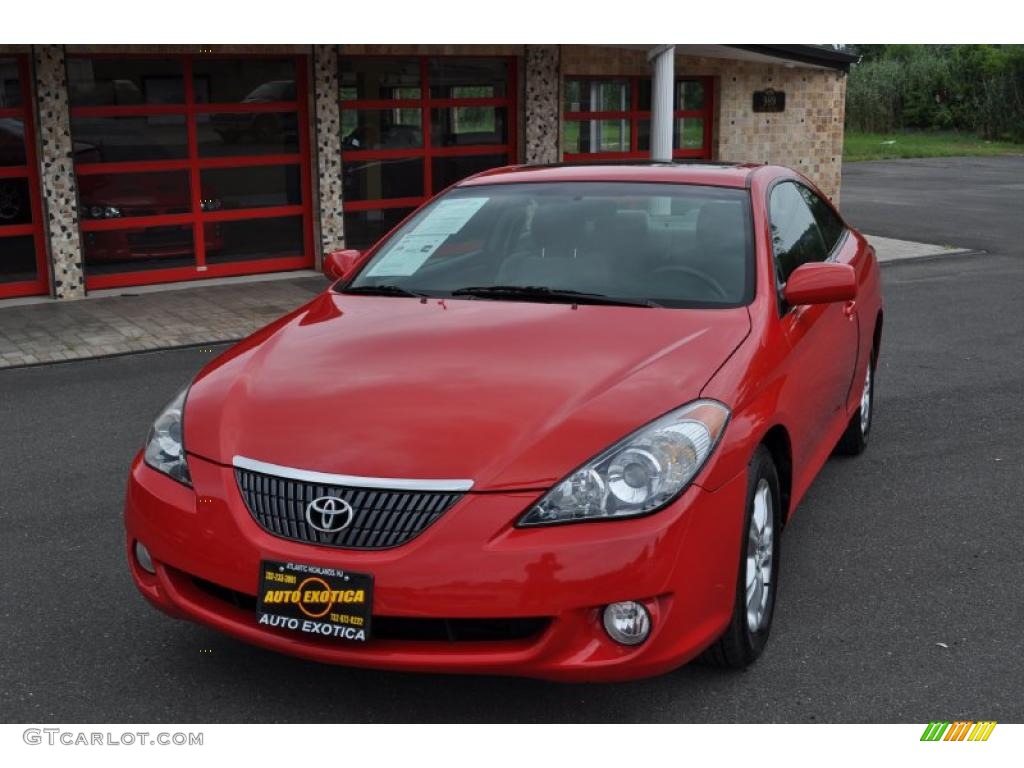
[(670, 244)]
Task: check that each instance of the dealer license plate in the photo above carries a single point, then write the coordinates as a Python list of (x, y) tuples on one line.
[(328, 602)]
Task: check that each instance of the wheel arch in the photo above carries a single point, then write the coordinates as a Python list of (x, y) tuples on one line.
[(779, 445), (876, 338)]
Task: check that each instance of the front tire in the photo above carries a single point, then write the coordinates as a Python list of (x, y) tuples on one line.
[(754, 605)]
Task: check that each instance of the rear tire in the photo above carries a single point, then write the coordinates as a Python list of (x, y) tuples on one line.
[(855, 439), (758, 575)]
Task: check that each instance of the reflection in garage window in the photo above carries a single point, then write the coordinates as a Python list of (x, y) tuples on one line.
[(370, 226), (114, 81), (17, 259), (129, 139), (15, 203), (248, 80), (248, 133), (382, 179), (10, 84), (137, 249), (258, 186), (121, 195), (253, 239), (399, 128)]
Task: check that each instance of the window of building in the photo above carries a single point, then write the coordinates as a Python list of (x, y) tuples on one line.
[(190, 166), (609, 118), (411, 126), (22, 247)]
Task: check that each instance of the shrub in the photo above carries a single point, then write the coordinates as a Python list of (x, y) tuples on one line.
[(973, 88)]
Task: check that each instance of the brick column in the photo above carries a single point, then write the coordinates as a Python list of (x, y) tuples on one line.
[(328, 146), (542, 106), (835, 183), (57, 172)]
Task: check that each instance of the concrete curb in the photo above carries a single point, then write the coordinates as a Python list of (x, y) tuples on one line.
[(931, 257)]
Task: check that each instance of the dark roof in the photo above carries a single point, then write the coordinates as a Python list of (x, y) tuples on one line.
[(819, 55)]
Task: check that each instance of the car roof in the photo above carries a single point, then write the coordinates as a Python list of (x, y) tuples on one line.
[(705, 173)]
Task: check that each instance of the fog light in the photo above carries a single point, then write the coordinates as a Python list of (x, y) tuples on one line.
[(628, 623), (143, 558)]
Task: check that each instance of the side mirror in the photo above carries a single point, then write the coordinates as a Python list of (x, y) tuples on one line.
[(820, 283), (340, 264)]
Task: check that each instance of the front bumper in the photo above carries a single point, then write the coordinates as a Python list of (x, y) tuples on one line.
[(470, 564)]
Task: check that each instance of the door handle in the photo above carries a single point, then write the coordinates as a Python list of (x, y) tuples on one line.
[(849, 308)]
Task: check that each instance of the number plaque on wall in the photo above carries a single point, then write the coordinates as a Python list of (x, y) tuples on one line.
[(769, 101)]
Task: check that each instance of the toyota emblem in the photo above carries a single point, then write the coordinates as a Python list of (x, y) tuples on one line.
[(329, 514)]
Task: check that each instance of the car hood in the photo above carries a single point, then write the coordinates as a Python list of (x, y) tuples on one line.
[(510, 395)]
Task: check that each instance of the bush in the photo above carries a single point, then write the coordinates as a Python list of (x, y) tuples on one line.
[(973, 88)]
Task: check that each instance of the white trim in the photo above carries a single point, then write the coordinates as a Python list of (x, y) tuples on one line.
[(353, 481)]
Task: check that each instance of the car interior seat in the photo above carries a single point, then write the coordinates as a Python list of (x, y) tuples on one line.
[(557, 253)]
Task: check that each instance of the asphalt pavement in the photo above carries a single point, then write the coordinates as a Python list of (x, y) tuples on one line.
[(901, 596), (968, 202)]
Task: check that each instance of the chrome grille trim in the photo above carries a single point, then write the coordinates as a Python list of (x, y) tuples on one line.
[(351, 481)]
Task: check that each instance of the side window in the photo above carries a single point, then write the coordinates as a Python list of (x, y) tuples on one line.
[(830, 225), (796, 238)]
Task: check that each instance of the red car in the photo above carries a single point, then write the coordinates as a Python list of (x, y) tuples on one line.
[(554, 425), (124, 197)]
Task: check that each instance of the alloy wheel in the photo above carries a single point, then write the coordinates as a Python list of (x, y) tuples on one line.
[(760, 547), (865, 403)]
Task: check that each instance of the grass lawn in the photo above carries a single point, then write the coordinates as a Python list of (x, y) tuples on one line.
[(880, 146)]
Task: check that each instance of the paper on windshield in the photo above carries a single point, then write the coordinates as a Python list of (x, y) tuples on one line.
[(409, 253)]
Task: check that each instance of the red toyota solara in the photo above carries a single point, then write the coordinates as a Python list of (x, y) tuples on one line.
[(554, 424)]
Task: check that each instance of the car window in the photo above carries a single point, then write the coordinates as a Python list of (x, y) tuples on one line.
[(830, 225), (671, 244), (796, 238)]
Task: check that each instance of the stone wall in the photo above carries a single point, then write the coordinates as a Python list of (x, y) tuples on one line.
[(807, 137), (541, 106)]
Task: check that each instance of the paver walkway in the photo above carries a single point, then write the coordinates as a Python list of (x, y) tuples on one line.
[(55, 331)]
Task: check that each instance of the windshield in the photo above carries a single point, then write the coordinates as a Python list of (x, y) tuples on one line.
[(644, 244)]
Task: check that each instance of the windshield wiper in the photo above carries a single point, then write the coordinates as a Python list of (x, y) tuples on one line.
[(384, 289), (548, 294)]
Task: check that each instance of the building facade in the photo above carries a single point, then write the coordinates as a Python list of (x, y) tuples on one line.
[(129, 165)]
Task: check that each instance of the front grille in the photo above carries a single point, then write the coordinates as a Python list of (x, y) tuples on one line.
[(380, 518), (415, 629)]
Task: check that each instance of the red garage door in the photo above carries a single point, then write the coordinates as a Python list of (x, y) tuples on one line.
[(22, 245), (190, 166), (412, 126)]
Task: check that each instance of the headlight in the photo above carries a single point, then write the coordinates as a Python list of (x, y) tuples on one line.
[(638, 474), (165, 446)]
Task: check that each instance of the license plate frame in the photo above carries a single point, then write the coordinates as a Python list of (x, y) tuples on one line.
[(315, 600)]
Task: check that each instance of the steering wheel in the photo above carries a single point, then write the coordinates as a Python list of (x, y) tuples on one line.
[(703, 277)]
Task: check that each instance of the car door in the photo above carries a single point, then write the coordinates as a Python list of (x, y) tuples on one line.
[(822, 338), (843, 249)]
